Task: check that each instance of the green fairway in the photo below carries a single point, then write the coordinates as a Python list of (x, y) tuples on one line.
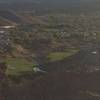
[(18, 65), (57, 56)]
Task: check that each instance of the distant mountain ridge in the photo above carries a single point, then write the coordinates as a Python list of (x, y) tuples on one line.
[(38, 5)]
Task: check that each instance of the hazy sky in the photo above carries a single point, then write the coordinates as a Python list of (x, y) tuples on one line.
[(47, 0), (59, 4), (55, 2)]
